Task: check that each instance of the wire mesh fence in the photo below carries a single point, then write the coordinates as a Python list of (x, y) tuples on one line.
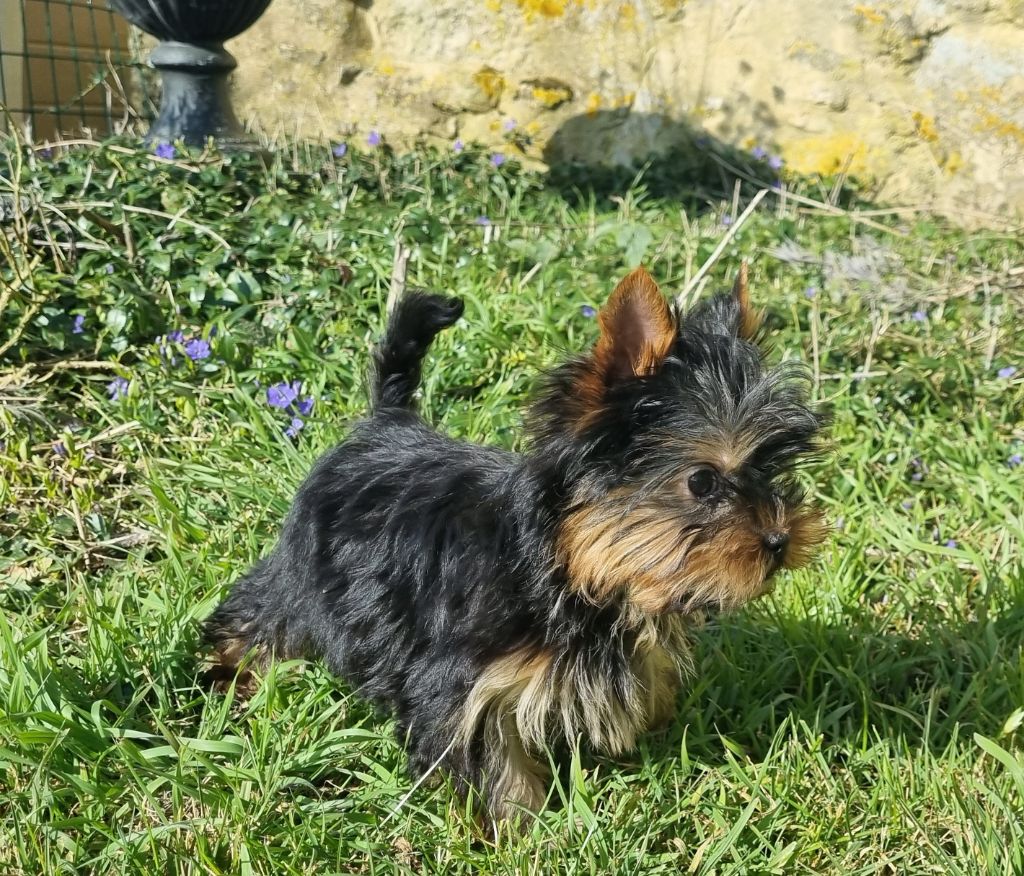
[(68, 67)]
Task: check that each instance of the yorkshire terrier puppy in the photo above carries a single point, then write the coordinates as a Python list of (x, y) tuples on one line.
[(497, 602)]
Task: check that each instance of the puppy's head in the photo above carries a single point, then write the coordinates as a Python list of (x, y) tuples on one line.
[(676, 446)]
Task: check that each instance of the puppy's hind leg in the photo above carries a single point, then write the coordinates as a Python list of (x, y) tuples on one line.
[(243, 623)]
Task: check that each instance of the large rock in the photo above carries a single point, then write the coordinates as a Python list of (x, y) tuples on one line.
[(922, 99)]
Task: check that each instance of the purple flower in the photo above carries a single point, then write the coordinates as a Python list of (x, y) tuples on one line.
[(509, 125), (109, 269), (917, 477), (305, 405), (727, 220), (951, 542), (282, 395), (76, 328), (919, 316), (374, 139), (458, 146), (294, 428), (165, 150), (759, 152), (46, 153), (59, 449), (176, 337), (340, 150), (481, 220), (117, 388), (776, 162), (498, 159), (810, 291), (588, 311), (1007, 372), (907, 504), (1015, 460), (197, 349)]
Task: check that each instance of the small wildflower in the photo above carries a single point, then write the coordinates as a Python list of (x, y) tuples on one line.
[(1014, 460), (727, 220), (810, 291), (917, 477), (498, 159), (374, 139), (1007, 372), (509, 125), (176, 337), (213, 332), (919, 316), (951, 542), (759, 152), (294, 428), (340, 150), (165, 150), (306, 405), (588, 311), (59, 449), (46, 153), (907, 504), (282, 395), (197, 349), (481, 220), (458, 146), (117, 388), (109, 269), (775, 162), (76, 327)]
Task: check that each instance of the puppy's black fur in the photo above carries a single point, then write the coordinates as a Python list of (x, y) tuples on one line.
[(497, 602)]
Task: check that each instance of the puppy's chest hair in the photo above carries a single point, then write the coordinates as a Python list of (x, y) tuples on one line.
[(538, 694)]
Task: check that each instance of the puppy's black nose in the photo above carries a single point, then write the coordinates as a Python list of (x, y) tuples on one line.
[(775, 541)]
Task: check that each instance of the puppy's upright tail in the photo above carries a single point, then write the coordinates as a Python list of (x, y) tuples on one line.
[(398, 360)]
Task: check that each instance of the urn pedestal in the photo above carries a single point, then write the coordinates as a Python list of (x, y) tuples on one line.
[(194, 65)]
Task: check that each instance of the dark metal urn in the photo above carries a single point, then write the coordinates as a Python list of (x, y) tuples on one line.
[(194, 65)]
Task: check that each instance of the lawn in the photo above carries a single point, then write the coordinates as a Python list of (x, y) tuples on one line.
[(864, 718)]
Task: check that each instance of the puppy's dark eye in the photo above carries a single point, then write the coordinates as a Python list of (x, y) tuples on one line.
[(703, 482)]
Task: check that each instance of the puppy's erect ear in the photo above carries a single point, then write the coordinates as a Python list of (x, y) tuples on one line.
[(749, 319), (637, 329)]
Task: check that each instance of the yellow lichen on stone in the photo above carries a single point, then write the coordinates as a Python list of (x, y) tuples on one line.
[(953, 162), (490, 82), (828, 154), (544, 8), (493, 5), (627, 13), (385, 67), (551, 97), (925, 126), (991, 123), (593, 103), (870, 14)]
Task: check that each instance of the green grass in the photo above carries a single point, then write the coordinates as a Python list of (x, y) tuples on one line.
[(865, 718)]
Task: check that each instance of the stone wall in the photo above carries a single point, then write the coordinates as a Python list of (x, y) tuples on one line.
[(922, 98)]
